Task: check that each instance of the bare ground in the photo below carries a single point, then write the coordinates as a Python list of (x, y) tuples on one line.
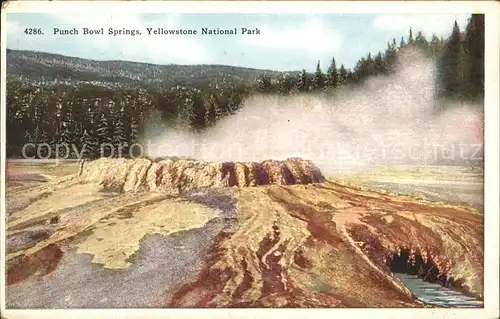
[(74, 245)]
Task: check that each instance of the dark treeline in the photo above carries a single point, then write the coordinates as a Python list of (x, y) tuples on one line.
[(93, 114)]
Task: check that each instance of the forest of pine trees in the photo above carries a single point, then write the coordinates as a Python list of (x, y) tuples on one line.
[(93, 115)]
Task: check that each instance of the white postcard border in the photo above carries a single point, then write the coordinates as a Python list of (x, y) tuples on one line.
[(492, 141)]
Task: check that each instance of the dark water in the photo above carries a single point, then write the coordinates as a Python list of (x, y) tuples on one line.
[(437, 295)]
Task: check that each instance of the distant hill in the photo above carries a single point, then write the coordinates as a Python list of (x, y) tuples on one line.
[(32, 66)]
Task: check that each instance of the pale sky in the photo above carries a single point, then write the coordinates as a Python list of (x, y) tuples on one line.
[(286, 42)]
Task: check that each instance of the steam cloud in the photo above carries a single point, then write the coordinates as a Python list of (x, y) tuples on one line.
[(390, 119)]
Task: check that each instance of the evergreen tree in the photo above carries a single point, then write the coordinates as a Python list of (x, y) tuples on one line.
[(264, 84), (89, 147), (27, 137), (63, 148), (342, 75), (303, 84), (402, 43), (43, 136), (435, 46), (199, 107), (232, 106), (421, 42), (319, 77), (350, 76), (390, 57), (287, 83), (451, 65), (219, 111), (53, 143), (43, 140), (102, 131), (210, 115), (369, 65), (134, 132), (36, 135), (474, 48), (119, 140), (76, 134), (103, 136), (134, 139), (410, 36), (379, 64), (333, 75)]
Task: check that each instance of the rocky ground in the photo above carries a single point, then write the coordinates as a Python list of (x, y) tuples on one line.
[(178, 233)]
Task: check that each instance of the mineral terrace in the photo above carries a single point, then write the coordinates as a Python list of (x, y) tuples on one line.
[(185, 233)]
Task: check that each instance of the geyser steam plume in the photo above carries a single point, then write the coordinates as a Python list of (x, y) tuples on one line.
[(390, 119)]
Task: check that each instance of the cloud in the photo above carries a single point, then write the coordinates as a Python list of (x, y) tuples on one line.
[(440, 24), (146, 48), (312, 37)]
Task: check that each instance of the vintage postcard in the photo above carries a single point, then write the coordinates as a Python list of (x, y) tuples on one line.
[(162, 157)]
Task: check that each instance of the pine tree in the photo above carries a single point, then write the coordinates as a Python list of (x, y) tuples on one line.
[(360, 70), (185, 111), (319, 77), (379, 64), (474, 48), (103, 130), (134, 150), (42, 146), (264, 84), (451, 65), (63, 148), (287, 84), (231, 104), (28, 138), (43, 136), (435, 46), (390, 57), (410, 36), (421, 42), (351, 76), (103, 136), (199, 108), (134, 131), (88, 145), (119, 140), (70, 138), (219, 111), (53, 140), (210, 112), (303, 83), (76, 134), (369, 65), (342, 75), (402, 43), (36, 135), (333, 75)]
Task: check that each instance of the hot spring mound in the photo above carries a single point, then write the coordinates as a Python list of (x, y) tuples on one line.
[(174, 175)]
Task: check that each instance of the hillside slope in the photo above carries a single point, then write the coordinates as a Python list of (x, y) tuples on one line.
[(35, 66)]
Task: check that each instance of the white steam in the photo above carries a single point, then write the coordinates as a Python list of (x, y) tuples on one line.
[(391, 119)]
